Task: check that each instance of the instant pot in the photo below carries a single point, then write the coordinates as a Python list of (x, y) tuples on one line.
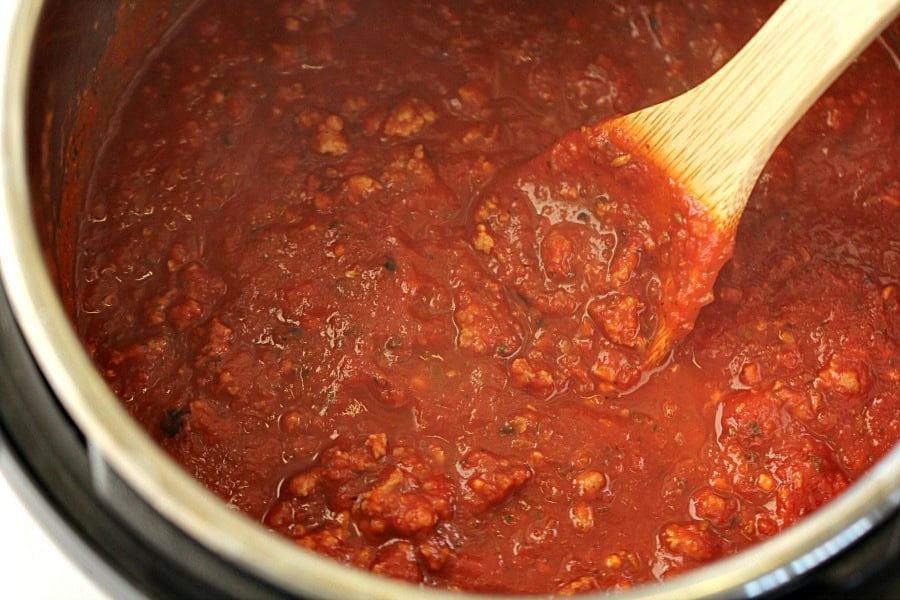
[(112, 499)]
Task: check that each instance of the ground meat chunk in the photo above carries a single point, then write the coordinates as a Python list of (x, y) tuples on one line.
[(359, 187), (482, 135), (580, 585), (472, 94), (619, 315), (183, 314), (485, 325), (401, 504), (526, 375), (765, 456), (610, 581), (490, 479), (809, 477), (482, 241), (411, 170), (845, 375), (397, 559), (691, 541), (437, 553), (719, 510), (218, 339), (409, 117), (750, 418), (377, 444), (302, 484), (329, 138), (190, 298), (590, 484), (612, 370), (558, 254), (326, 540)]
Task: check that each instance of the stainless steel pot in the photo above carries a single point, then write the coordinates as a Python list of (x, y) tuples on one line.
[(47, 119)]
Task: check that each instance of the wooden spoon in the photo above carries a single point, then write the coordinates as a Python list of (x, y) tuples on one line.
[(688, 166), (715, 139)]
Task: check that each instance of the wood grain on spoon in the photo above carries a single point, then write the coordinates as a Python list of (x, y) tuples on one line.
[(631, 220)]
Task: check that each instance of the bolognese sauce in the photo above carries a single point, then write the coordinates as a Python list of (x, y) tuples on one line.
[(294, 274)]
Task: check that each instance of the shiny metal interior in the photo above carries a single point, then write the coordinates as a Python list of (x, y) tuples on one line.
[(54, 50)]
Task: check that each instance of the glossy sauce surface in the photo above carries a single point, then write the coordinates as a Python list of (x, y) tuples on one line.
[(294, 275)]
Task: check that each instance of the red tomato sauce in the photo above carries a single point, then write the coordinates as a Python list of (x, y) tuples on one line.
[(294, 274), (606, 253)]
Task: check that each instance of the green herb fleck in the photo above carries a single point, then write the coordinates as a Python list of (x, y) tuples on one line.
[(173, 420)]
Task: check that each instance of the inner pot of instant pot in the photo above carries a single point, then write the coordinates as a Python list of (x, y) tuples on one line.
[(65, 101)]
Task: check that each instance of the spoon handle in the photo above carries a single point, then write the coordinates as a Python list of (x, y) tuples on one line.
[(716, 138)]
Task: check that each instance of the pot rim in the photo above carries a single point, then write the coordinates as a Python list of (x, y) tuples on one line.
[(186, 503)]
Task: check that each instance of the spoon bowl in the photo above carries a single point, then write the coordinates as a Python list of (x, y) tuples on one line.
[(667, 184)]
